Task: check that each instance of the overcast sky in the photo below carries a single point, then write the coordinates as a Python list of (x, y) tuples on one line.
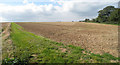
[(51, 10)]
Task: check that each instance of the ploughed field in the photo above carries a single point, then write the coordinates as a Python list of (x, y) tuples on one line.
[(98, 38)]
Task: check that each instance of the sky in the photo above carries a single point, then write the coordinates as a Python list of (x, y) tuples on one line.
[(51, 10)]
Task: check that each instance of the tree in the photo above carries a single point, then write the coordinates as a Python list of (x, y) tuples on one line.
[(93, 20), (87, 20), (105, 13), (115, 16), (109, 14)]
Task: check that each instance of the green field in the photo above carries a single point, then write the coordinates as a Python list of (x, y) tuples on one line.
[(30, 48)]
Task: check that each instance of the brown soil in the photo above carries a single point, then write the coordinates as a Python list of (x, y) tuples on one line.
[(98, 38)]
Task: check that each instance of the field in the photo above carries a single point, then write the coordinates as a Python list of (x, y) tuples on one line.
[(41, 46), (98, 38)]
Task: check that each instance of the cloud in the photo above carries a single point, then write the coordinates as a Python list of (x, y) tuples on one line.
[(65, 11)]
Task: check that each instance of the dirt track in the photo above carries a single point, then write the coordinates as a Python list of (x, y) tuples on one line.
[(98, 38)]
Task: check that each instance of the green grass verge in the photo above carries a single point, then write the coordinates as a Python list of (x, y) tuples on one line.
[(30, 48)]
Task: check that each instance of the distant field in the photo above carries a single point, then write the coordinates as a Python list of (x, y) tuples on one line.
[(98, 38)]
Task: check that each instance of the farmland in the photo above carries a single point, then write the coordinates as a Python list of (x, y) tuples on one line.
[(58, 43), (98, 38)]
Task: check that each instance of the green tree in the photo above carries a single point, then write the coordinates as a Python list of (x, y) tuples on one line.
[(105, 13), (115, 16), (87, 20), (109, 14)]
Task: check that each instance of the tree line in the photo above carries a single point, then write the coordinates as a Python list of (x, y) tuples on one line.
[(109, 15)]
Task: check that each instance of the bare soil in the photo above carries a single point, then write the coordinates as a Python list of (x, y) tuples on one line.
[(98, 38)]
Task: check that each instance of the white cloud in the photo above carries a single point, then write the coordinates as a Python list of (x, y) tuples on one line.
[(68, 11)]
